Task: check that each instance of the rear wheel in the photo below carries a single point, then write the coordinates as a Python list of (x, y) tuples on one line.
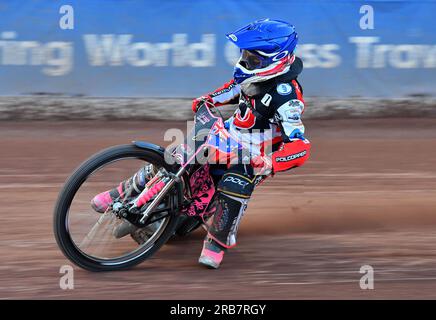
[(88, 238)]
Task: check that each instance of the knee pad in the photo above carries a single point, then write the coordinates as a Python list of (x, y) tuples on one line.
[(236, 185)]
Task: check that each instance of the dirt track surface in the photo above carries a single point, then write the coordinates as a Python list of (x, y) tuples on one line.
[(367, 197)]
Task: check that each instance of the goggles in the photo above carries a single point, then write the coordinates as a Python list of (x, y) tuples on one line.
[(251, 61)]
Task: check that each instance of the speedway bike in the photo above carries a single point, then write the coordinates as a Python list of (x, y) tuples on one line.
[(176, 199)]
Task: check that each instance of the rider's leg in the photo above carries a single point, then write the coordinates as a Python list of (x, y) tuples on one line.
[(234, 190), (131, 187)]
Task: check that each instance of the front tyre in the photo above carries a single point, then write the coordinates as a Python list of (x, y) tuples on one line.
[(85, 236)]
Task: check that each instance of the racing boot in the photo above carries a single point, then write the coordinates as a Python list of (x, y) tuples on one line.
[(128, 188), (212, 254), (140, 235)]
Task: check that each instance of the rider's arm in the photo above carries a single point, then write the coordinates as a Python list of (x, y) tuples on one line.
[(294, 150), (227, 94)]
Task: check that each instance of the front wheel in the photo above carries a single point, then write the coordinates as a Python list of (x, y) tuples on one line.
[(87, 237)]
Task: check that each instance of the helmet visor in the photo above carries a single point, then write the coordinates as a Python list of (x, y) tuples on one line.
[(251, 61)]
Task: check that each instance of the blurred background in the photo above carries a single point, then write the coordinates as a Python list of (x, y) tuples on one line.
[(79, 76)]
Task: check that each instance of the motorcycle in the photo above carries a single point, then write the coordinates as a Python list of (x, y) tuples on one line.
[(177, 199)]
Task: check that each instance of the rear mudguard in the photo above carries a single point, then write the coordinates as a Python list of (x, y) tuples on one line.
[(150, 146)]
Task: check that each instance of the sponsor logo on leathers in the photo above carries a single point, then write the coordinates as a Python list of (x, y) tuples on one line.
[(236, 181), (291, 157)]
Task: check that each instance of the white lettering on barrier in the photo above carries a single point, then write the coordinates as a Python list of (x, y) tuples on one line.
[(399, 56), (119, 50), (313, 55), (56, 56)]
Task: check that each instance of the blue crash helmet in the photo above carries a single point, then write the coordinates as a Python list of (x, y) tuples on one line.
[(266, 50)]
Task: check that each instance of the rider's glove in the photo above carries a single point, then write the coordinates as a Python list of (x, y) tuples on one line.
[(197, 103), (262, 165), (290, 155)]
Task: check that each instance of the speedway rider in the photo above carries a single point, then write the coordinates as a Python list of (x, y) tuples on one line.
[(269, 97)]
